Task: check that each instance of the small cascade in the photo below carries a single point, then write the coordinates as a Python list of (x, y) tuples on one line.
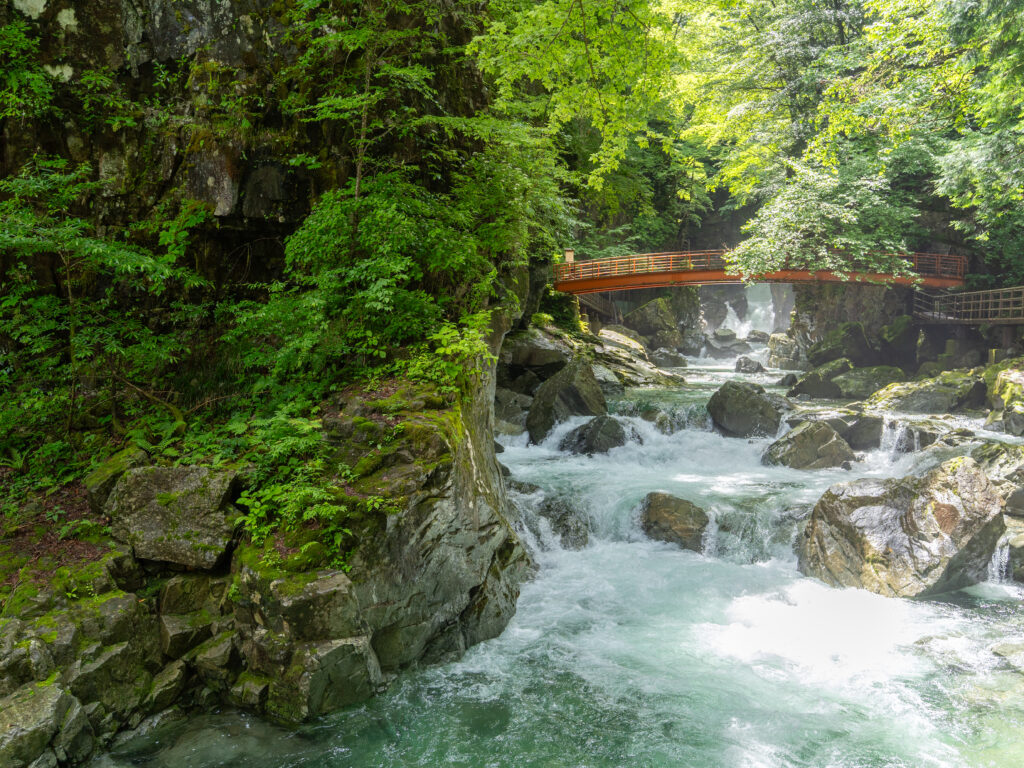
[(760, 314), (999, 565), (894, 436)]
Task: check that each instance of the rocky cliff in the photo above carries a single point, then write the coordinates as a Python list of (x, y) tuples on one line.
[(183, 615)]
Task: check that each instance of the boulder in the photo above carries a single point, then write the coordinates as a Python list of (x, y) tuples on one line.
[(811, 445), (1015, 543), (324, 677), (510, 409), (864, 382), (599, 435), (535, 351), (180, 633), (608, 381), (627, 337), (746, 365), (864, 433), (101, 481), (723, 343), (657, 321), (741, 409), (43, 719), (819, 382), (179, 515), (758, 337), (573, 391), (667, 358), (1006, 395), (784, 352), (668, 518), (947, 392), (849, 341), (907, 537), (567, 522), (1003, 464), (789, 380), (627, 361)]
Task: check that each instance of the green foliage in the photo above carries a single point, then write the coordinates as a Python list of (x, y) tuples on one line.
[(608, 64), (26, 90), (822, 219)]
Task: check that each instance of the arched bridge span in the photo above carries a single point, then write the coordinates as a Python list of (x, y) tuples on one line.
[(660, 270)]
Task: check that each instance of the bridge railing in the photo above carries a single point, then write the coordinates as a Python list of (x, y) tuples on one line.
[(924, 264), (1000, 306)]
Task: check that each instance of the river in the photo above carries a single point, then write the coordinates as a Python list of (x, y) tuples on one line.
[(635, 653)]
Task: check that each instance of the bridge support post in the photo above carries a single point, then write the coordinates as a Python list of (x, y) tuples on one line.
[(1006, 336)]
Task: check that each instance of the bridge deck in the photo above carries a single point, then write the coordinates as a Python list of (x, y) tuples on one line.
[(658, 270)]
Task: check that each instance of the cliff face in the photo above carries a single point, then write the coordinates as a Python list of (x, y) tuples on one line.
[(182, 616), (436, 569), (160, 98), (821, 308)]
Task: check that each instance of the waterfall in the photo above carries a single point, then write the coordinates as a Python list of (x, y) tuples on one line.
[(999, 565), (760, 312)]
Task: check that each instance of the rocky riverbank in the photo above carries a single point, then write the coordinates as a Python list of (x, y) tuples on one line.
[(180, 616)]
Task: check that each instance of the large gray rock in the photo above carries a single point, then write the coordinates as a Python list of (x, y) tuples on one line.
[(811, 445), (1003, 464), (324, 677), (785, 352), (667, 358), (599, 435), (567, 522), (908, 537), (665, 517), (819, 382), (864, 432), (180, 515), (741, 409), (436, 572), (101, 481), (947, 392), (723, 344), (510, 409), (746, 365), (656, 321), (864, 382), (573, 391), (39, 719), (536, 351)]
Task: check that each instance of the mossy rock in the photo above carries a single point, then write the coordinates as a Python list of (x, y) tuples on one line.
[(820, 381), (861, 383), (948, 392), (101, 481), (849, 340)]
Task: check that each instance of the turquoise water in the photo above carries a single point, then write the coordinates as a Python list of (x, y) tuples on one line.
[(635, 653)]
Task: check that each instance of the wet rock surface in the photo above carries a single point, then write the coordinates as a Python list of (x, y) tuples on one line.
[(573, 391), (746, 365), (668, 518), (810, 445), (948, 392), (741, 409), (599, 435), (905, 538)]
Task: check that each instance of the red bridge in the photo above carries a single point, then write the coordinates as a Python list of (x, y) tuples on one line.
[(659, 270)]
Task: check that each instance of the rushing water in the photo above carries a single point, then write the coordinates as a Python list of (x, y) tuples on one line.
[(760, 314), (635, 653)]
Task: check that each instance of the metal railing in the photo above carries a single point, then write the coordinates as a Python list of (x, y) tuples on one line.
[(1000, 306), (924, 264)]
